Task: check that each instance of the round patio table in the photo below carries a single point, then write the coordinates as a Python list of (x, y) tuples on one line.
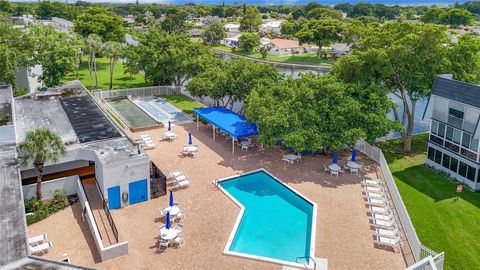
[(168, 234), (190, 148), (173, 210), (334, 167), (170, 134), (246, 143), (353, 165)]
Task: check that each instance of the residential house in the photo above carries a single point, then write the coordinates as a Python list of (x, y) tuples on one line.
[(454, 109), (284, 47), (62, 24), (271, 27), (231, 40), (232, 28)]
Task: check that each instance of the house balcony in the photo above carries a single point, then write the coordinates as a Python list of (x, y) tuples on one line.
[(454, 121)]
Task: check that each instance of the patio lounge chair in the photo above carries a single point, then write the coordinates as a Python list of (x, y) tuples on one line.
[(375, 189), (182, 184), (41, 249), (375, 195), (376, 216), (145, 136), (380, 210), (394, 243), (388, 232), (377, 202), (372, 182), (386, 224), (33, 241)]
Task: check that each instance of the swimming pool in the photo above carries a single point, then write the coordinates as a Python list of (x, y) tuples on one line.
[(162, 111), (276, 223)]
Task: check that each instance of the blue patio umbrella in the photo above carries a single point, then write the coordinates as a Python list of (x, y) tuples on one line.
[(171, 199), (354, 154), (169, 125), (168, 221), (334, 157), (189, 138)]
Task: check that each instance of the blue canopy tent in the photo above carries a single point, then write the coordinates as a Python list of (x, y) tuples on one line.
[(227, 121)]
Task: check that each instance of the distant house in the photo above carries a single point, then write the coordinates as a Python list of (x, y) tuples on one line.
[(195, 33), (271, 26), (232, 28), (62, 24), (129, 19), (231, 40), (453, 110), (280, 47), (265, 42)]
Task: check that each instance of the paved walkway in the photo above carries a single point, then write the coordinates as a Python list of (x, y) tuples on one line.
[(96, 204)]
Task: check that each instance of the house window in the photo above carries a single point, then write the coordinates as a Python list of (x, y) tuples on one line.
[(457, 134), (453, 165), (471, 173), (441, 130), (438, 157), (434, 127), (436, 139), (456, 113), (446, 161), (469, 154), (462, 169), (474, 145), (431, 153), (466, 139), (455, 148), (449, 134)]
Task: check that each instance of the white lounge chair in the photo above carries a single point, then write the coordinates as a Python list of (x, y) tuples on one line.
[(33, 241), (381, 210), (383, 223), (182, 184), (145, 136), (41, 249), (377, 202), (383, 241), (375, 195), (388, 232), (372, 182), (375, 189), (377, 216), (148, 146)]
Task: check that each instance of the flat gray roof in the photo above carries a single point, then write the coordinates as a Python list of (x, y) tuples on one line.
[(31, 262), (13, 231), (45, 112)]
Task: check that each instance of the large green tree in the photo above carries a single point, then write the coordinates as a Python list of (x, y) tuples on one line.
[(249, 41), (232, 81), (100, 21), (40, 146), (174, 20), (322, 13), (402, 57), (54, 51), (321, 33), (251, 21), (15, 52), (171, 58), (214, 33), (48, 9), (313, 113)]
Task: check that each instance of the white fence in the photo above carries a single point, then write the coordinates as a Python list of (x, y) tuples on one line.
[(64, 185), (419, 251), (105, 253), (138, 92)]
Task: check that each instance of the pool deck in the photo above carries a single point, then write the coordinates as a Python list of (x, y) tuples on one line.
[(343, 234)]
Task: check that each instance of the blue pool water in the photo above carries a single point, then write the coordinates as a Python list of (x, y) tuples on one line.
[(277, 223), (162, 111)]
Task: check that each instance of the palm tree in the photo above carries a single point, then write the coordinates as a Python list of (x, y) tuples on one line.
[(94, 44), (40, 146), (113, 50)]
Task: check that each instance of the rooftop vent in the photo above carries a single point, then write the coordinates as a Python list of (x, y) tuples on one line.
[(120, 148)]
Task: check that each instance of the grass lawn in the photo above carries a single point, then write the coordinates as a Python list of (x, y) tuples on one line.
[(183, 102), (443, 222), (309, 58), (120, 80)]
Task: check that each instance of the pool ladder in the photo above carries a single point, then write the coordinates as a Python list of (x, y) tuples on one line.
[(305, 259)]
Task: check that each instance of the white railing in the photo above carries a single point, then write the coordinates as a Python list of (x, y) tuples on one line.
[(416, 246), (138, 92)]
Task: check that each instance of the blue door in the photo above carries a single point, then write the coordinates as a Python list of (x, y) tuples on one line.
[(138, 191), (114, 198)]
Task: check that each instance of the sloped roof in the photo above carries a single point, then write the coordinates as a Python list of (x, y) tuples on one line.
[(285, 43), (456, 90)]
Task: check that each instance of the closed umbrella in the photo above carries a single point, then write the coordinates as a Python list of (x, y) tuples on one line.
[(334, 157), (169, 125), (168, 221), (354, 154), (189, 138), (171, 199)]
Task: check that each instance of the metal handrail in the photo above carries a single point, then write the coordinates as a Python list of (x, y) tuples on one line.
[(109, 215), (308, 257)]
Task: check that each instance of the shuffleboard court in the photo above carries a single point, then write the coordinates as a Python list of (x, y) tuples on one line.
[(135, 116)]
